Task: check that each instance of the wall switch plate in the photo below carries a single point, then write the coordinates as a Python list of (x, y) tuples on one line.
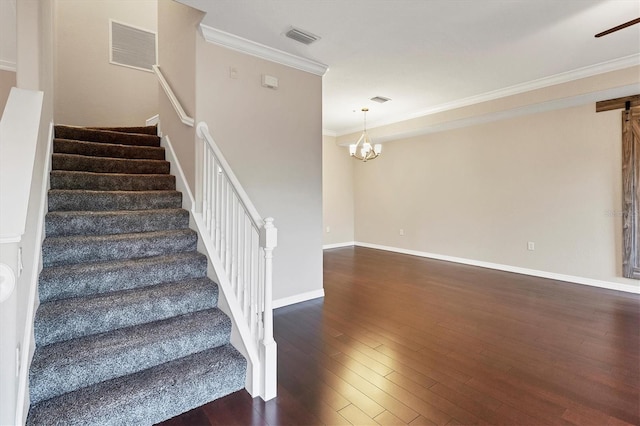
[(328, 229), (531, 246), (401, 231)]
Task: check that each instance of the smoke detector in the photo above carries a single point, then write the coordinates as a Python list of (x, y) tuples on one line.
[(301, 36)]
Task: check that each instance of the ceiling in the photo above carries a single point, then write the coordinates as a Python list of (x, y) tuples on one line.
[(430, 55)]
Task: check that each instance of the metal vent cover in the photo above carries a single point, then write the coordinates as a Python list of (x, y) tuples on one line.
[(380, 99), (301, 36), (132, 47)]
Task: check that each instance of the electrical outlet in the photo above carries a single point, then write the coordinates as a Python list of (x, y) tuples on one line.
[(401, 231), (531, 246), (233, 72)]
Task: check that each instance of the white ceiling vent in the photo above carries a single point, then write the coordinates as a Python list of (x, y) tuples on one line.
[(301, 36), (380, 99), (132, 47)]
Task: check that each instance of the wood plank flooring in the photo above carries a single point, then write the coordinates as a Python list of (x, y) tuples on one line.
[(405, 340)]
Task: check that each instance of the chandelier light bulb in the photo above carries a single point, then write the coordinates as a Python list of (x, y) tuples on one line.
[(366, 150)]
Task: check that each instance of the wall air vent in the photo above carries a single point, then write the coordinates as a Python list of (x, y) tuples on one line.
[(380, 99), (132, 47), (301, 36)]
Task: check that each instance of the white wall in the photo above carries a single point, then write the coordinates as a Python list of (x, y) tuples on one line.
[(482, 192), (273, 141), (89, 90), (337, 193)]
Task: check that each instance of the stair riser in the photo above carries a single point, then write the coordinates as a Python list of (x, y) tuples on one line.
[(71, 200), (108, 165), (142, 130), (86, 280), (92, 223), (92, 135), (122, 352), (71, 250), (73, 318), (111, 182), (66, 146), (151, 395)]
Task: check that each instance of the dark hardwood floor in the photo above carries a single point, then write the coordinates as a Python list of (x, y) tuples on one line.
[(405, 340)]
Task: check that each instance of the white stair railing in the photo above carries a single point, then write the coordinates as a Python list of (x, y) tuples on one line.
[(241, 246)]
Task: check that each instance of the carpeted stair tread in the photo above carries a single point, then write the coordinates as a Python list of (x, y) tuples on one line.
[(127, 330), (67, 146), (79, 199), (86, 163), (93, 248), (67, 319), (84, 279), (73, 364), (105, 136), (63, 179), (149, 396), (114, 222), (143, 130)]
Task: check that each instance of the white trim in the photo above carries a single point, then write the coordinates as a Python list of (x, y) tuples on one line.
[(589, 71), (188, 202), (243, 45), (8, 66), (28, 342), (338, 245), (302, 297), (556, 104), (152, 121), (564, 77), (189, 121), (508, 268), (11, 239), (327, 132)]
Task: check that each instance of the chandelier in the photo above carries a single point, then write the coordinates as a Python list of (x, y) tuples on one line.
[(363, 150)]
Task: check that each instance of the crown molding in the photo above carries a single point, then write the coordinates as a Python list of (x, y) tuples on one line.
[(565, 77), (7, 65), (239, 44), (551, 105)]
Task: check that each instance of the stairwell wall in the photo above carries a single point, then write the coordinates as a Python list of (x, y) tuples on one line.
[(273, 141), (90, 91), (177, 33)]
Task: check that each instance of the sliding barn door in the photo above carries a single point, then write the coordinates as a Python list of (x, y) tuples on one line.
[(631, 188)]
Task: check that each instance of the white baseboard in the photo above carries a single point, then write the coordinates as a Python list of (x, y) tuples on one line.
[(303, 297), (508, 268), (338, 245)]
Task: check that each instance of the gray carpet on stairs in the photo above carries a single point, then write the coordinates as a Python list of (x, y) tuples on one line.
[(128, 330)]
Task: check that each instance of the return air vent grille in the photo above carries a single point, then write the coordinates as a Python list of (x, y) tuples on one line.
[(301, 36), (132, 47)]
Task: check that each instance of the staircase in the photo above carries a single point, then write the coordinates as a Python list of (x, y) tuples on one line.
[(128, 330)]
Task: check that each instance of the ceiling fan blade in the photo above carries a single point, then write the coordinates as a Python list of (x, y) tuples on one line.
[(619, 27)]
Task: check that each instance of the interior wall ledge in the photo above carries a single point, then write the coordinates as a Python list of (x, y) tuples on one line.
[(243, 45)]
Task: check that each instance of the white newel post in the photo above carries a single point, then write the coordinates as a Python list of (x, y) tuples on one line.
[(268, 348)]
